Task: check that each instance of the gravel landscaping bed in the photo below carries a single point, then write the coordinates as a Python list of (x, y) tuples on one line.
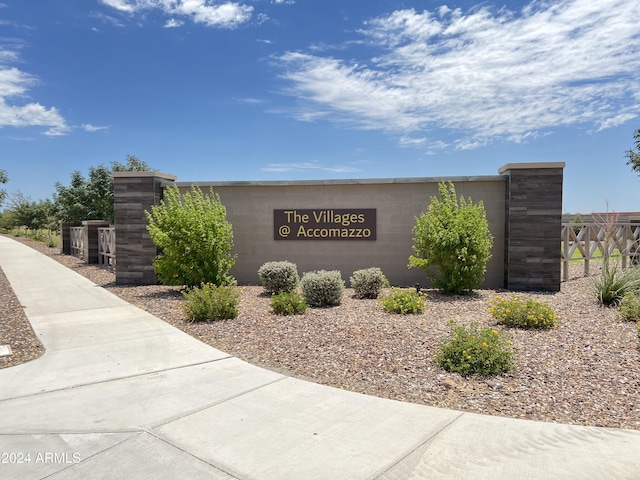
[(586, 371)]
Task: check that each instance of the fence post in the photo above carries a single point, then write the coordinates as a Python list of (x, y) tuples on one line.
[(91, 241), (135, 192), (65, 237), (533, 230)]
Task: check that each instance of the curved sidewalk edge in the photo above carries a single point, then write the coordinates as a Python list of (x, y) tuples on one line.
[(121, 394)]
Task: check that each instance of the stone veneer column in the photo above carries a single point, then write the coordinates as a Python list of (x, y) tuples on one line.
[(533, 225), (135, 192), (65, 237), (91, 247)]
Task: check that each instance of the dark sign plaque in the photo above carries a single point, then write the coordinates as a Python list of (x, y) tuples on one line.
[(325, 224)]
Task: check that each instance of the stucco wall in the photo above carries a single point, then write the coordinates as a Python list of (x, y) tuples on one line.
[(250, 207)]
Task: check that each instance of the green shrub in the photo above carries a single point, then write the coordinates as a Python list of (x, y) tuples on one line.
[(194, 237), (629, 307), (211, 302), (288, 303), (453, 237), (515, 312), (322, 288), (368, 282), (612, 284), (403, 300), (278, 277), (475, 350)]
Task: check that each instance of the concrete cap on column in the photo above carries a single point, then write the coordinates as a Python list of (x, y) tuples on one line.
[(530, 166)]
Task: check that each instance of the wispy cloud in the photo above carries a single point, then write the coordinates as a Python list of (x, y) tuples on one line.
[(14, 85), (289, 167), (213, 14), (480, 75), (87, 127), (173, 23)]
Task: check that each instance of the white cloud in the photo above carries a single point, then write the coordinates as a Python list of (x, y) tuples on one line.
[(224, 14), (87, 127), (288, 167), (173, 23), (14, 84), (481, 74)]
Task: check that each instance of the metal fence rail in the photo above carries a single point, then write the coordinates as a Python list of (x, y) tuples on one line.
[(593, 241)]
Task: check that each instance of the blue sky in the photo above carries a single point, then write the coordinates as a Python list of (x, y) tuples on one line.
[(302, 89)]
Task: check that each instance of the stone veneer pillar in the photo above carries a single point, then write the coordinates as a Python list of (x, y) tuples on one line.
[(533, 225), (65, 237), (91, 242), (135, 192)]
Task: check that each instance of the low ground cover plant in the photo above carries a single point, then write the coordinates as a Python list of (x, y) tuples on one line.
[(368, 282), (518, 312), (404, 301), (288, 303), (278, 277), (211, 302), (475, 350), (322, 288), (629, 307)]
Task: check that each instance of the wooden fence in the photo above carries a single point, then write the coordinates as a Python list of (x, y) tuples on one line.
[(592, 241), (107, 246), (77, 241)]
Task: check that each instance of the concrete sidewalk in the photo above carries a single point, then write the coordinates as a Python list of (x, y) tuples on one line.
[(120, 394)]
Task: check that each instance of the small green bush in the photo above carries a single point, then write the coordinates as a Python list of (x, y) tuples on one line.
[(629, 307), (368, 282), (453, 237), (612, 284), (475, 350), (288, 303), (322, 288), (516, 312), (211, 302), (278, 277), (194, 237), (403, 300)]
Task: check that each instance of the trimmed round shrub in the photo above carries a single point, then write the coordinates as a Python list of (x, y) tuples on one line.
[(211, 302), (402, 300), (368, 282), (475, 350), (278, 277), (288, 303), (322, 288), (515, 312)]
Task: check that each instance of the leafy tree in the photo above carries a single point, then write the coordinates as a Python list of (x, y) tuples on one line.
[(634, 157), (3, 179), (92, 198), (30, 214), (453, 236), (194, 237), (134, 164)]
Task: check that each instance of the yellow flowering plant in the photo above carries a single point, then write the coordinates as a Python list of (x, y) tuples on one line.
[(475, 350), (404, 300), (517, 312)]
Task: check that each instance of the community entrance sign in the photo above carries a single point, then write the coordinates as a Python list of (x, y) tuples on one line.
[(325, 224)]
